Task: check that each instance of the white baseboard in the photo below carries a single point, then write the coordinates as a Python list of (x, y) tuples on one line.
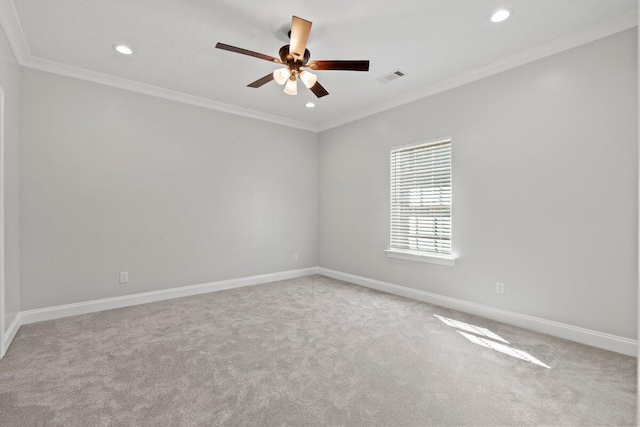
[(11, 333), (585, 336), (57, 312)]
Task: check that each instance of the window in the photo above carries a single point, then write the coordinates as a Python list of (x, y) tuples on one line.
[(421, 202)]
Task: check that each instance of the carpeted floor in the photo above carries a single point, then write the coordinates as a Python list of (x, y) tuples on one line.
[(302, 352)]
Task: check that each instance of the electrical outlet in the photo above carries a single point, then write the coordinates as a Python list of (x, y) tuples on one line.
[(500, 288), (124, 277), (295, 256)]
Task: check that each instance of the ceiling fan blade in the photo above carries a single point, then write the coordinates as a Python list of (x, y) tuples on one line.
[(263, 81), (318, 90), (300, 30), (340, 65), (247, 52)]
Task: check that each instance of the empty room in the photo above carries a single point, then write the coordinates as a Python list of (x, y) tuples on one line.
[(319, 213)]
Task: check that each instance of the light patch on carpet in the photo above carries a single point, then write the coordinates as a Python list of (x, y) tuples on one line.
[(471, 328), (503, 349)]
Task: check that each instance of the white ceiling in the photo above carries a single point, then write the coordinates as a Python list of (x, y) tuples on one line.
[(433, 41)]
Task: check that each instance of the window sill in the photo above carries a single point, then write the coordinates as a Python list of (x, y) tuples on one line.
[(421, 257)]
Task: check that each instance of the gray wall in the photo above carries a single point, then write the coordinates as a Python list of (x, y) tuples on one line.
[(174, 194), (10, 82), (545, 191), (545, 196)]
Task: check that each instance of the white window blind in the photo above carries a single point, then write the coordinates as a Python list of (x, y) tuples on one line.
[(421, 198)]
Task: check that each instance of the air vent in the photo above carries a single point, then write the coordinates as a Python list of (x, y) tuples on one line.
[(391, 76)]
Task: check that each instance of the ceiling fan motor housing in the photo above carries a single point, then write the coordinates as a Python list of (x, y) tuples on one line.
[(288, 59)]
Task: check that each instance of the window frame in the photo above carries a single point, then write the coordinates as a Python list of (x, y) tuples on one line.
[(415, 255)]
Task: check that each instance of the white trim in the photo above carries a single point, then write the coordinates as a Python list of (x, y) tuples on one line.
[(573, 333), (415, 255), (121, 83), (11, 332), (585, 336), (57, 312), (607, 28), (3, 347), (638, 247), (13, 30), (421, 257), (431, 141)]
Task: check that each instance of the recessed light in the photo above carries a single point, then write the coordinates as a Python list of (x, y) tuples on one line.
[(122, 49), (309, 105), (500, 15)]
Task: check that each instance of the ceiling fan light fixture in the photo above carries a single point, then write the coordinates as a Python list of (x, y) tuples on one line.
[(308, 78), (291, 88), (295, 56), (500, 15), (281, 75)]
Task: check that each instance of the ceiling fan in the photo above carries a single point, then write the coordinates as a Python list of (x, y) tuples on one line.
[(295, 57)]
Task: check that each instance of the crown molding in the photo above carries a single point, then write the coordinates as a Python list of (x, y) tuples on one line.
[(131, 85), (15, 35), (607, 28), (13, 30)]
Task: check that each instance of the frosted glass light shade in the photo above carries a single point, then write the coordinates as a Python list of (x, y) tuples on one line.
[(291, 88), (281, 75), (308, 79)]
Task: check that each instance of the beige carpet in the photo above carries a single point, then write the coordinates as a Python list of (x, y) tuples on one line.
[(308, 351)]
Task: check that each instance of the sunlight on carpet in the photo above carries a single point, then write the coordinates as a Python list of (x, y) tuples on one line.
[(479, 336)]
